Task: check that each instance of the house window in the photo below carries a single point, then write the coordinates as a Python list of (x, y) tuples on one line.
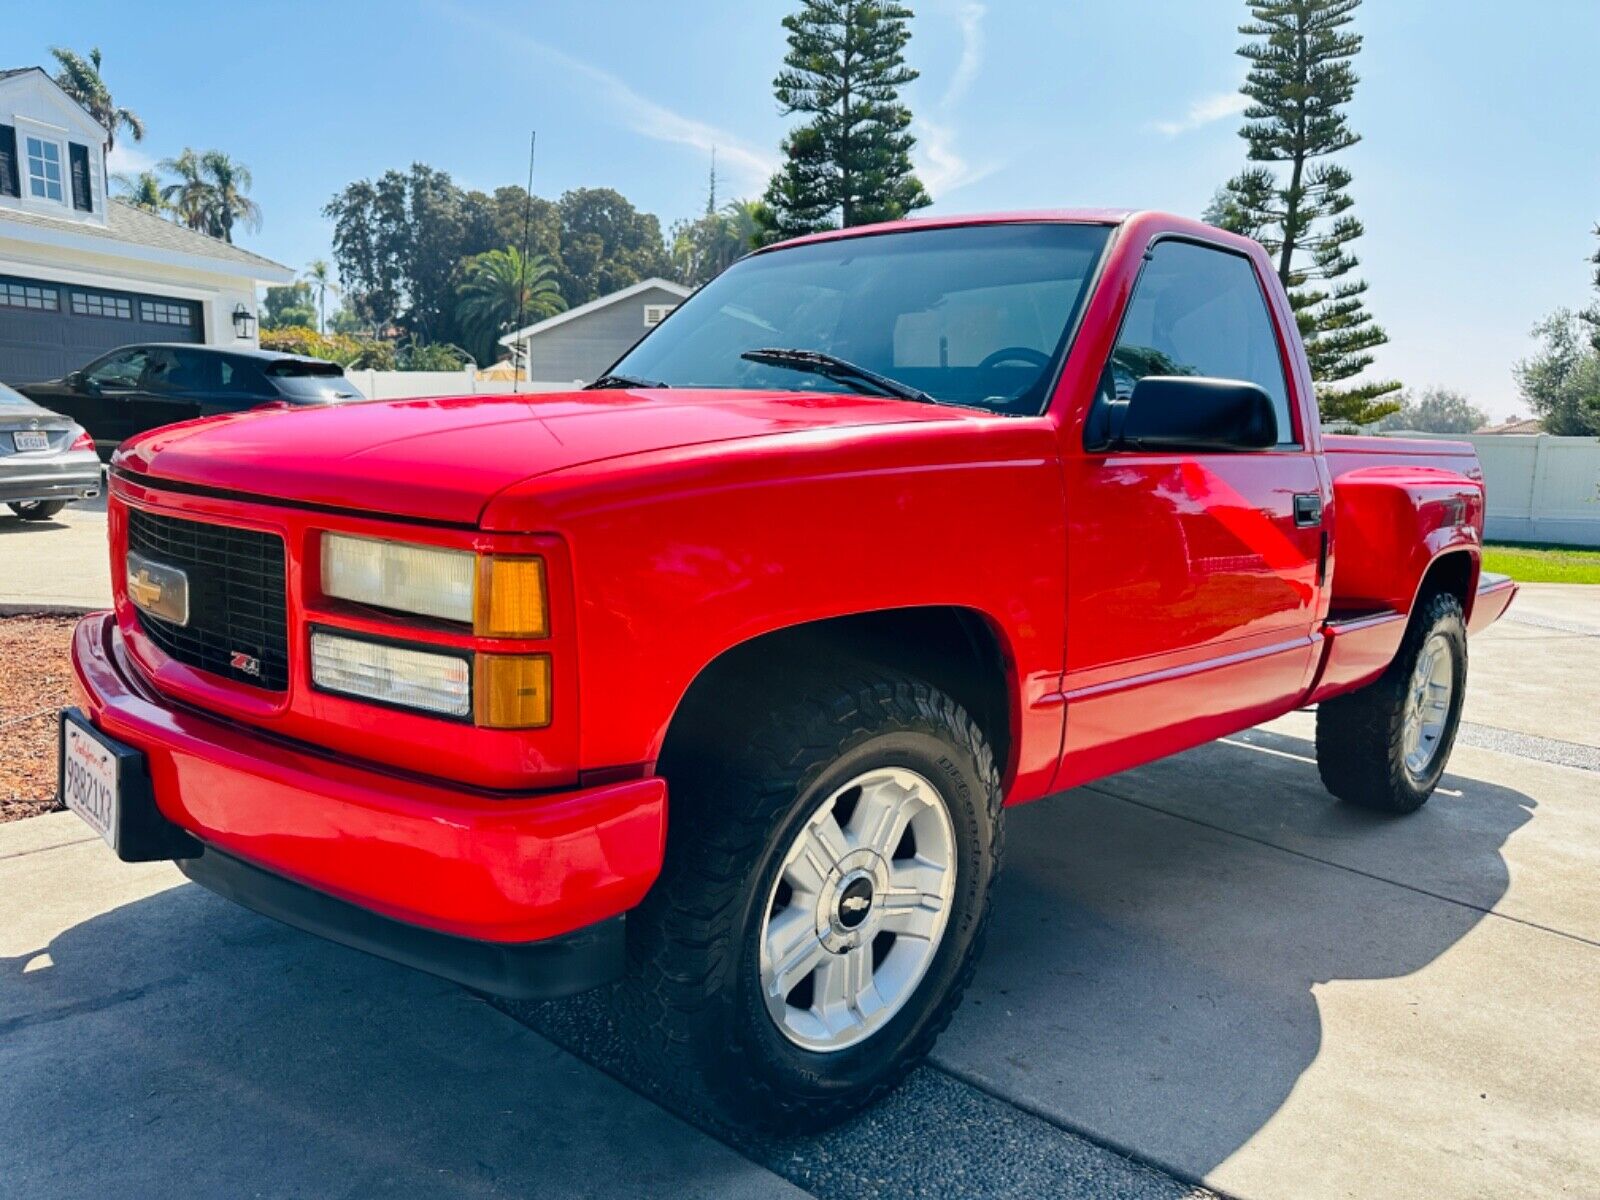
[(26, 295), (165, 314), (654, 314), (100, 304), (44, 170)]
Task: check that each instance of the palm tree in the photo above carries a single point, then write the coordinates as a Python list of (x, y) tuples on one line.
[(741, 218), (189, 199), (229, 205), (320, 276), (80, 78), (496, 286), (142, 191)]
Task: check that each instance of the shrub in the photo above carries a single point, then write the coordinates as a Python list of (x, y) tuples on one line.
[(350, 352)]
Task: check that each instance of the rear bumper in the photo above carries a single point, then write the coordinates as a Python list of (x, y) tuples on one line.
[(1495, 594), (466, 884), (67, 477)]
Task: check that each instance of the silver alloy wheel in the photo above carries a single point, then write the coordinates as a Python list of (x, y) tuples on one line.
[(1428, 705), (858, 909)]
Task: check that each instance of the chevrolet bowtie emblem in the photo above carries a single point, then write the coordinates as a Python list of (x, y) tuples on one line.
[(157, 589), (854, 904), (146, 592)]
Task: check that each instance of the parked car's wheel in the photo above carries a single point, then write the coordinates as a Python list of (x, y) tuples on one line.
[(1385, 746), (823, 900), (38, 510)]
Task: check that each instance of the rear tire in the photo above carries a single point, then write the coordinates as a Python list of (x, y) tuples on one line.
[(38, 510), (771, 838), (1385, 746)]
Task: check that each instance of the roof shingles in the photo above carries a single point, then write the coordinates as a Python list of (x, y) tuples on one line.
[(125, 223)]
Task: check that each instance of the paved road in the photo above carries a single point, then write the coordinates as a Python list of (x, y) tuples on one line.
[(1205, 962), (62, 561)]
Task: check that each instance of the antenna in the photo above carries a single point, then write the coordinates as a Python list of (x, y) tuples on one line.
[(522, 272)]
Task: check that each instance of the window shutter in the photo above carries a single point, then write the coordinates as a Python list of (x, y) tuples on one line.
[(82, 191), (10, 179)]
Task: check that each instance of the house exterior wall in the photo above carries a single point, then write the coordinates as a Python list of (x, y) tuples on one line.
[(580, 349), (33, 104)]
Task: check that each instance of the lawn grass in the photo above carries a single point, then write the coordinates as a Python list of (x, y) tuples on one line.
[(1542, 564)]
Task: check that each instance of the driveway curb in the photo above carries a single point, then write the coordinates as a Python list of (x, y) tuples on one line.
[(24, 608)]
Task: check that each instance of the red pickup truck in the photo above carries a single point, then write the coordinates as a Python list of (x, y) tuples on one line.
[(714, 678)]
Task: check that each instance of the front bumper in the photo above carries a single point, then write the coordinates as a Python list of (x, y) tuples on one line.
[(519, 895), (74, 476)]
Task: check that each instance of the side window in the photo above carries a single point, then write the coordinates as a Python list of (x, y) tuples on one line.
[(120, 371), (188, 372), (1199, 311)]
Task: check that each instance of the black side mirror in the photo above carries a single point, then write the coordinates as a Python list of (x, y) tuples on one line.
[(1187, 412), (80, 381)]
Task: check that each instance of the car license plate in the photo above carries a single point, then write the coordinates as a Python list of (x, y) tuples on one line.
[(29, 439), (90, 779)]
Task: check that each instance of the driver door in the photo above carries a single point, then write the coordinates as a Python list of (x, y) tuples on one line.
[(103, 394), (1192, 592)]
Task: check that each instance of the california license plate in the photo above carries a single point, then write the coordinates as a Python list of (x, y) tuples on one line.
[(28, 439), (90, 778)]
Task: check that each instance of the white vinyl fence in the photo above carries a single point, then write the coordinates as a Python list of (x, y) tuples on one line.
[(407, 385), (1541, 488)]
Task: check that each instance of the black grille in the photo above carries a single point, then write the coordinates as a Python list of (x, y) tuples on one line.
[(236, 596)]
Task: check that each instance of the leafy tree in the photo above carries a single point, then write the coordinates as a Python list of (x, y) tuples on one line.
[(1299, 81), (288, 306), (849, 163), (209, 193), (1591, 315), (1436, 410), (495, 287), (142, 191), (349, 352), (1561, 382), (318, 275), (80, 78), (606, 244), (189, 197), (229, 205)]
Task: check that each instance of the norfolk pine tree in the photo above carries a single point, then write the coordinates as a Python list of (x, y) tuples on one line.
[(1300, 78), (850, 162)]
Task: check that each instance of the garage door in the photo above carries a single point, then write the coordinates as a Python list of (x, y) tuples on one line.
[(48, 329)]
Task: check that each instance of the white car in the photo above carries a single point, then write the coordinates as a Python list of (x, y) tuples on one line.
[(46, 460)]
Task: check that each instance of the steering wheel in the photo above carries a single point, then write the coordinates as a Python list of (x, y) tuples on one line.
[(1020, 354)]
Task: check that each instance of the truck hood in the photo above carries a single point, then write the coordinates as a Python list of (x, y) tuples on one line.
[(445, 459)]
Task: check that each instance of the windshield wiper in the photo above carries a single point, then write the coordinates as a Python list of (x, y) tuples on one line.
[(841, 369), (613, 380)]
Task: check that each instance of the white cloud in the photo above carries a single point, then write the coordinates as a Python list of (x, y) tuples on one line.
[(644, 116), (970, 18), (940, 166), (1205, 111), (128, 160)]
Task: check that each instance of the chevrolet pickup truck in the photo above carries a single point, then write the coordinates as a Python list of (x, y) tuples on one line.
[(713, 679)]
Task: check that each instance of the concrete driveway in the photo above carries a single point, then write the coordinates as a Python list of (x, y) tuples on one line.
[(62, 562), (1206, 964)]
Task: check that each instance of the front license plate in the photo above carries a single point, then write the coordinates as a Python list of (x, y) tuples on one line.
[(90, 778), (31, 440)]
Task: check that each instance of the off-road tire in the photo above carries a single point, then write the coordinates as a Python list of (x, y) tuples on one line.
[(691, 1003), (38, 510), (1360, 736)]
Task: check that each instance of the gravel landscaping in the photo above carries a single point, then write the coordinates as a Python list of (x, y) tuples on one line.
[(35, 681)]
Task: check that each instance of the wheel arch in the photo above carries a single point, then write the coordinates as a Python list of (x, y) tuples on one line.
[(961, 651), (1453, 571)]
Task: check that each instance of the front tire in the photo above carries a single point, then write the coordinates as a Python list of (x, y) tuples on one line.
[(38, 510), (1385, 746), (822, 903)]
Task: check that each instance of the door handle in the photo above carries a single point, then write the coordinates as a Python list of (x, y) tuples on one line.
[(1308, 509)]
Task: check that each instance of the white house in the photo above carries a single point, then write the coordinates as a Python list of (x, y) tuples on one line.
[(577, 345), (82, 273)]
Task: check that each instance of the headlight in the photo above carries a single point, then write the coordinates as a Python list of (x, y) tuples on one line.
[(389, 674), (498, 595), (425, 580)]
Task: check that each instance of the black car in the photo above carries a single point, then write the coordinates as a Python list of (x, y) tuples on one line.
[(136, 388)]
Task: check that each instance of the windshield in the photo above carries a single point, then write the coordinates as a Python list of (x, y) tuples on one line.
[(11, 401), (978, 315), (312, 381)]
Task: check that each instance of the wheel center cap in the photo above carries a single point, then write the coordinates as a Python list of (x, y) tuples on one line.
[(855, 902)]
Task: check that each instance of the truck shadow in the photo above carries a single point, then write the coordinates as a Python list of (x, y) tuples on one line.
[(179, 1046), (1158, 937)]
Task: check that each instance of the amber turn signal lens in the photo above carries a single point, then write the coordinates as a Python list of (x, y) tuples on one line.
[(511, 598), (513, 691)]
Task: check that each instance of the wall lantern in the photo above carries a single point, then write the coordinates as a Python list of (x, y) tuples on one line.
[(244, 322)]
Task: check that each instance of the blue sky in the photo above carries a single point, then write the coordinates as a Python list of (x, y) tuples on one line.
[(1478, 179)]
